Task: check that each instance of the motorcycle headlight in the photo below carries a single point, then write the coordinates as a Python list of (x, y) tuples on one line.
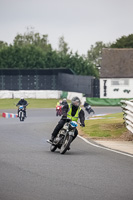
[(73, 124), (21, 107)]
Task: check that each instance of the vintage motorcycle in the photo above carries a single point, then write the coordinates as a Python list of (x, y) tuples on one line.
[(58, 110), (21, 112), (64, 137), (89, 109)]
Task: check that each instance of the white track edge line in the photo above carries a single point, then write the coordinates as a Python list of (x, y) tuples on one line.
[(106, 148)]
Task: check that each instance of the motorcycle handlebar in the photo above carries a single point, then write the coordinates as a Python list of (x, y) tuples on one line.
[(23, 105), (68, 120)]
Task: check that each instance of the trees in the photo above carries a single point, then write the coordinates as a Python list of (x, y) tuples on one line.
[(32, 50), (29, 57), (3, 44), (80, 65), (34, 39), (123, 42), (63, 46), (94, 54)]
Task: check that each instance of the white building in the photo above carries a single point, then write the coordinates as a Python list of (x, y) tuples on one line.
[(116, 73)]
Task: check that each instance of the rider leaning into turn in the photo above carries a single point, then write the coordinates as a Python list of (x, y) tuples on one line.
[(70, 111), (24, 103)]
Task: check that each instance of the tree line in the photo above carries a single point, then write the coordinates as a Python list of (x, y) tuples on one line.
[(33, 51)]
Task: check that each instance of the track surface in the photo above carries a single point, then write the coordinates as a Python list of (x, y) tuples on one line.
[(29, 171)]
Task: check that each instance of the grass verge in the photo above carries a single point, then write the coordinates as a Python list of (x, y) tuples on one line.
[(33, 103), (110, 127)]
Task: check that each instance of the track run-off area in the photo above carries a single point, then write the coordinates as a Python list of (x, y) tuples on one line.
[(30, 171)]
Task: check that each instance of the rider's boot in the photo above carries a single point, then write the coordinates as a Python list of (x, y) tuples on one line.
[(52, 138)]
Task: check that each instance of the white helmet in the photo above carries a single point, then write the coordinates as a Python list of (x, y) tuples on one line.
[(64, 100)]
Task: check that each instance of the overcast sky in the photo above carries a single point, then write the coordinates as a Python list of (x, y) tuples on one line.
[(81, 22)]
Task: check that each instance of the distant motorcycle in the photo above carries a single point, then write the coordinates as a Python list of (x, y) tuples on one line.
[(64, 137), (21, 112), (89, 109), (58, 110)]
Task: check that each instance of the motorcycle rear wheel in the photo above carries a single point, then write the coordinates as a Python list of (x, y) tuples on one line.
[(66, 144)]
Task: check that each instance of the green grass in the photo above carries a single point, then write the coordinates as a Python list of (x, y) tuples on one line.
[(33, 103), (110, 127)]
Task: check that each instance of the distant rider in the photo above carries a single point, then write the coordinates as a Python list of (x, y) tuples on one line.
[(59, 103), (88, 108), (64, 102), (70, 111), (24, 103)]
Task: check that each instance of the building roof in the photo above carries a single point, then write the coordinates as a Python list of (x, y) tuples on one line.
[(117, 63)]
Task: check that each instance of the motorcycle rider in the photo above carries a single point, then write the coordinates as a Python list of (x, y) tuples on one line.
[(59, 108), (24, 103), (88, 108), (64, 102), (70, 111)]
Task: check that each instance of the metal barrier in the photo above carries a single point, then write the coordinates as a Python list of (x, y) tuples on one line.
[(127, 107)]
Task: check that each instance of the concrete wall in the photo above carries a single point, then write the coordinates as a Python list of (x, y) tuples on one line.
[(38, 94)]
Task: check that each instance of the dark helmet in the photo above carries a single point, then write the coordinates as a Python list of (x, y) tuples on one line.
[(76, 101)]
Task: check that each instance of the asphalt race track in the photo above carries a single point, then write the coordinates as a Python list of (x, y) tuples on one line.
[(29, 171)]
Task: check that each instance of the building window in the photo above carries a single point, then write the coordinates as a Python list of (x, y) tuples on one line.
[(116, 82)]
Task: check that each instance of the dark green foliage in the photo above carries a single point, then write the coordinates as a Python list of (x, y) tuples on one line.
[(33, 51), (3, 44), (94, 54), (124, 42), (29, 57)]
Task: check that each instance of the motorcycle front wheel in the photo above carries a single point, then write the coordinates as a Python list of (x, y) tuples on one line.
[(21, 116), (66, 144), (53, 147)]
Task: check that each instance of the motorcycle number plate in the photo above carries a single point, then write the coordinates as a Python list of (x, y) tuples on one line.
[(71, 133)]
